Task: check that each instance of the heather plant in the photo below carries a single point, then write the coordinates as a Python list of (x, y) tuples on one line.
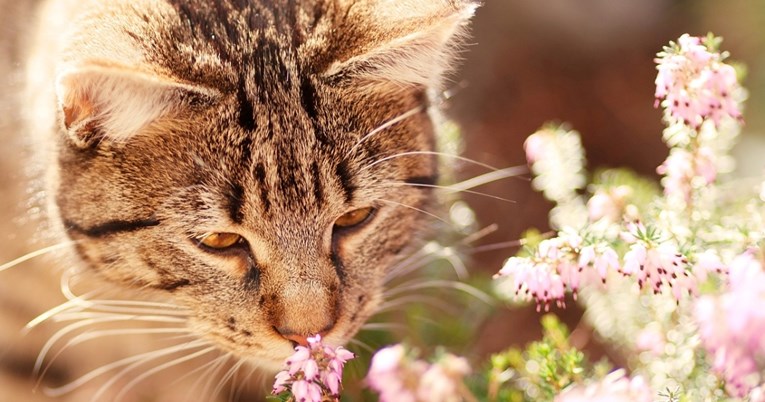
[(669, 273)]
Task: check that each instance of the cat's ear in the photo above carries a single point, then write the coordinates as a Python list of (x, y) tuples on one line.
[(410, 42), (115, 103)]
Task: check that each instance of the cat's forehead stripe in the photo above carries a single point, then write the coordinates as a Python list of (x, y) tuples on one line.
[(260, 177), (346, 180)]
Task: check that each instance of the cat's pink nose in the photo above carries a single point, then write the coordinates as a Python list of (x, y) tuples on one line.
[(301, 340)]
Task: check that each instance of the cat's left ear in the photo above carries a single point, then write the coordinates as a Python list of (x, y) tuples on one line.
[(115, 103), (404, 42)]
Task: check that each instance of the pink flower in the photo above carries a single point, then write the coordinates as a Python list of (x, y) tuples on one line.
[(314, 372), (682, 166), (614, 388), (656, 263), (608, 203), (397, 377), (391, 375), (558, 266), (693, 84), (732, 326)]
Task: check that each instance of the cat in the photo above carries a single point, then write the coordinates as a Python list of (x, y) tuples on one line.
[(259, 164)]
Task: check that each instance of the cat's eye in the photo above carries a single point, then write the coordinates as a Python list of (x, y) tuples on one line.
[(354, 218), (220, 241)]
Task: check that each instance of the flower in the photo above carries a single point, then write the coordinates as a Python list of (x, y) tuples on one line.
[(313, 373), (558, 265), (694, 85), (614, 388), (556, 158), (608, 203), (732, 325), (656, 262), (681, 167), (398, 377)]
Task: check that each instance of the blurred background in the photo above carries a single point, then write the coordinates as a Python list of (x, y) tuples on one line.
[(588, 63)]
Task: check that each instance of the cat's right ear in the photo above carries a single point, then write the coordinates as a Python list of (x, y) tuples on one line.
[(115, 103)]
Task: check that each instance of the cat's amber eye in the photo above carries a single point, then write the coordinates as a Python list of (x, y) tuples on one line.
[(221, 240), (354, 218)]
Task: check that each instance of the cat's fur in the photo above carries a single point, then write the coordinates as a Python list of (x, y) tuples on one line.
[(157, 122)]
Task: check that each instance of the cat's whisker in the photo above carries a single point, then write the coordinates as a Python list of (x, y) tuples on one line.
[(213, 375), (60, 334), (86, 336), (238, 384), (140, 303), (76, 316), (78, 324), (446, 253), (415, 209), (479, 234), (452, 91), (140, 358), (382, 326), (97, 306), (53, 312), (439, 284), (434, 252), (361, 344), (204, 367), (513, 171), (135, 381), (451, 189), (497, 246), (90, 335), (227, 377), (403, 116), (428, 153), (66, 286), (36, 253), (251, 375), (404, 300), (422, 253)]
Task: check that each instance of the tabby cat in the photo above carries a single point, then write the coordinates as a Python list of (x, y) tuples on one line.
[(259, 163)]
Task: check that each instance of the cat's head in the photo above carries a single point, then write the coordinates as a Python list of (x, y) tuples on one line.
[(248, 159)]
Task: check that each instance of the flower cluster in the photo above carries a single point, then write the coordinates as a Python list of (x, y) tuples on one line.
[(613, 388), (655, 262), (732, 325), (682, 167), (313, 373), (693, 83), (399, 377), (558, 265), (556, 159)]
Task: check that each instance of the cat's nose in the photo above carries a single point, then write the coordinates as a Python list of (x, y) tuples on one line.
[(298, 339)]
